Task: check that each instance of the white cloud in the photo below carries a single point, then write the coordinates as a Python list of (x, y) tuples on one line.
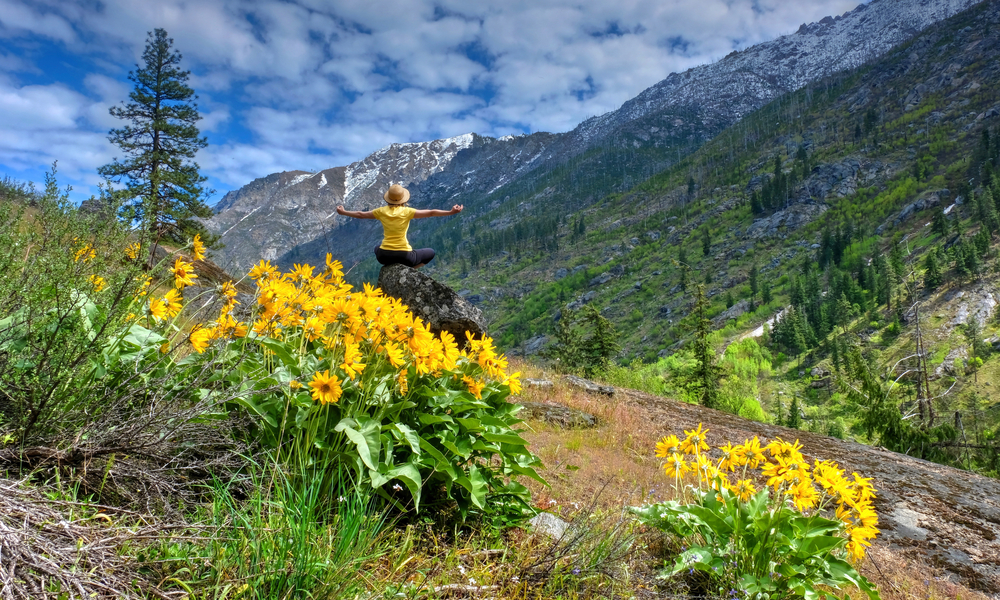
[(320, 83)]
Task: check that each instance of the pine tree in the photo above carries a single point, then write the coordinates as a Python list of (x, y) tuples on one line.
[(706, 241), (939, 222), (706, 375), (765, 292), (162, 186), (794, 420), (754, 287), (932, 270)]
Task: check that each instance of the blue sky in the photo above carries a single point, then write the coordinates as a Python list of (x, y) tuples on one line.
[(313, 84)]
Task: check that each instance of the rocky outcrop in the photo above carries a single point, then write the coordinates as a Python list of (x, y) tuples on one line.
[(558, 415), (436, 304), (589, 386), (793, 217)]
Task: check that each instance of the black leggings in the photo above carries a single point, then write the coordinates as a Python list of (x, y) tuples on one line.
[(402, 257)]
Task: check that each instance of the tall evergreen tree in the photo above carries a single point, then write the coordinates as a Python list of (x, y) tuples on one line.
[(754, 287), (707, 373), (162, 186), (932, 270)]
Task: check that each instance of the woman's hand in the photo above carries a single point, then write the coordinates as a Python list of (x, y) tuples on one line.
[(340, 209), (457, 208)]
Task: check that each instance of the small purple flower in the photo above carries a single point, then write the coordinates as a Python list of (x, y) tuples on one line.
[(576, 571), (691, 571)]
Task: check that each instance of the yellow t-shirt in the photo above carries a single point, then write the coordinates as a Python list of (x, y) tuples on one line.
[(395, 221)]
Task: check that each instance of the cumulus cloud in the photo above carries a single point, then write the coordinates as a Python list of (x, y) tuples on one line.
[(311, 84)]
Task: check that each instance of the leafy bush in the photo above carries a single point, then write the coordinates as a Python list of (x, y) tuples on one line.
[(772, 543), (352, 380)]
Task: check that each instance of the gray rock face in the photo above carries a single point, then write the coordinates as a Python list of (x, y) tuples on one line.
[(560, 416), (793, 217), (590, 386), (734, 311), (438, 305)]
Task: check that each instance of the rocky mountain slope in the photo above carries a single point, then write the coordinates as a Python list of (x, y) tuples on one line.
[(286, 216), (271, 214)]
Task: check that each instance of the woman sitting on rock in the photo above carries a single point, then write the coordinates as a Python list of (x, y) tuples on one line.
[(395, 219)]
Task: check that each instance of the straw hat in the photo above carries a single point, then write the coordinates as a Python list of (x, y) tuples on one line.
[(397, 194)]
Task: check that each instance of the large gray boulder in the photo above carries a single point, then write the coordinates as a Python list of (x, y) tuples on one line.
[(437, 304)]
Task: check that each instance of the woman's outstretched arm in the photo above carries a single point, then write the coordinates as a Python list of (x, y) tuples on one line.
[(357, 214), (422, 214)]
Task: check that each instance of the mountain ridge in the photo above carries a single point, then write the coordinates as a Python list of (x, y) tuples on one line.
[(672, 117)]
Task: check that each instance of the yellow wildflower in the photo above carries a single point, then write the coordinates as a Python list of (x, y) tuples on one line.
[(183, 273), (475, 387), (403, 384), (334, 268), (783, 450), (666, 446), (779, 472), (326, 388), (744, 489), (730, 458), (451, 353), (174, 302), (98, 282), (157, 308), (750, 453), (804, 495), (85, 253), (144, 289), (513, 383), (301, 272), (132, 250), (200, 338), (352, 364), (394, 354), (676, 466), (313, 328), (262, 271), (197, 248), (695, 441)]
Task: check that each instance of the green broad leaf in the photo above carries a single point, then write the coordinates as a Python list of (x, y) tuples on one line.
[(720, 527), (280, 350), (429, 419), (470, 424), (840, 570), (366, 440), (253, 407), (442, 464), (461, 407), (455, 448), (301, 416), (404, 433), (505, 438), (478, 488), (409, 474), (140, 337), (818, 545)]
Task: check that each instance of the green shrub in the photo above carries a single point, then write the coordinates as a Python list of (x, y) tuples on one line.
[(352, 382), (771, 543)]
